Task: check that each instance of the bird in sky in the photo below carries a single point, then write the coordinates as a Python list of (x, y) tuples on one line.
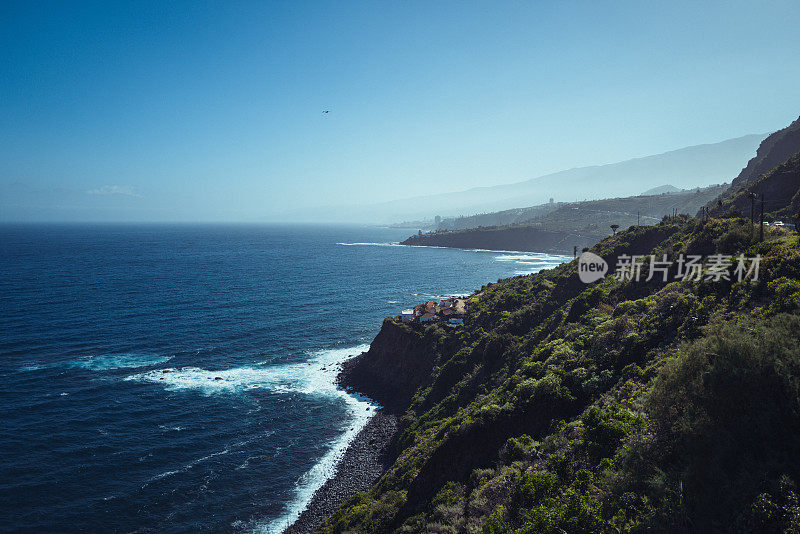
[(326, 111)]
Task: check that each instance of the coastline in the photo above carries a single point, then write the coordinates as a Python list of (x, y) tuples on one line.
[(362, 464), (517, 238)]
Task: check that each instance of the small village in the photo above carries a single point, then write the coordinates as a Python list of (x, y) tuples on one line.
[(451, 311)]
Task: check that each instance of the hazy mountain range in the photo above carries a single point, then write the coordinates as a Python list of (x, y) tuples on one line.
[(686, 168)]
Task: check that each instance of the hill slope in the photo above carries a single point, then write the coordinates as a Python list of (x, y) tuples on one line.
[(774, 150), (565, 226), (619, 406), (778, 188)]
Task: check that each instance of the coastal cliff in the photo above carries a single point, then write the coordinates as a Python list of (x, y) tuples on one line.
[(398, 362), (561, 406), (647, 404)]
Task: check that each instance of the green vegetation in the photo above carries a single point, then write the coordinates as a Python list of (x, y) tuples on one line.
[(780, 188), (593, 216), (563, 225), (613, 407), (618, 406), (774, 172)]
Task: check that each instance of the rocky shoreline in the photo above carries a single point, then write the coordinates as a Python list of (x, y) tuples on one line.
[(398, 361), (363, 463)]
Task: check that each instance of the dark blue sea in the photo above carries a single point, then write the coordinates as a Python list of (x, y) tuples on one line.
[(180, 378)]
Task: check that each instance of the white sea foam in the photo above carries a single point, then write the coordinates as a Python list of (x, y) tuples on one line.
[(540, 257), (105, 362), (431, 296), (119, 361), (370, 244), (534, 262), (361, 412), (315, 376), (191, 464)]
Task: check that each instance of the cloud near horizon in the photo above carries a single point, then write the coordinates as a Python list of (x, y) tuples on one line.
[(114, 190)]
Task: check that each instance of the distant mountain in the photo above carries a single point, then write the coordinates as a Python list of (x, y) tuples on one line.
[(687, 168), (662, 190)]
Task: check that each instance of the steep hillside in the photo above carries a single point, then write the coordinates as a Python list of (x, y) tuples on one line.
[(618, 406), (778, 188), (774, 150)]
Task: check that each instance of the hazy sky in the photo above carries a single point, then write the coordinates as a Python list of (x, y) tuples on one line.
[(213, 110)]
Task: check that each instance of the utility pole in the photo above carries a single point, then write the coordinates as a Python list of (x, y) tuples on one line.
[(575, 251), (638, 219), (761, 236)]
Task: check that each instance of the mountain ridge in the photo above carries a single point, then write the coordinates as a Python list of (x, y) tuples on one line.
[(688, 168)]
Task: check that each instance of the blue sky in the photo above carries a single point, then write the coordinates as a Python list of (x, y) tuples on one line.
[(176, 111)]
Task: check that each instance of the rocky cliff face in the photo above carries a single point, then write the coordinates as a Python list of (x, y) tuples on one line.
[(399, 361), (779, 189), (774, 150)]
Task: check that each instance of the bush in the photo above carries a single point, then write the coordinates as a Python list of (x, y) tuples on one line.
[(518, 448), (728, 413), (786, 295)]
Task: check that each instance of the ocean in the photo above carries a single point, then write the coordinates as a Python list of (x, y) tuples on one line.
[(176, 378)]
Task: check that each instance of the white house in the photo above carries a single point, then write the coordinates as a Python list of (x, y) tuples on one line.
[(407, 315)]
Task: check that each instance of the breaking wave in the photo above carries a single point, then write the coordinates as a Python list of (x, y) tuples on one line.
[(315, 376), (370, 244), (105, 362)]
